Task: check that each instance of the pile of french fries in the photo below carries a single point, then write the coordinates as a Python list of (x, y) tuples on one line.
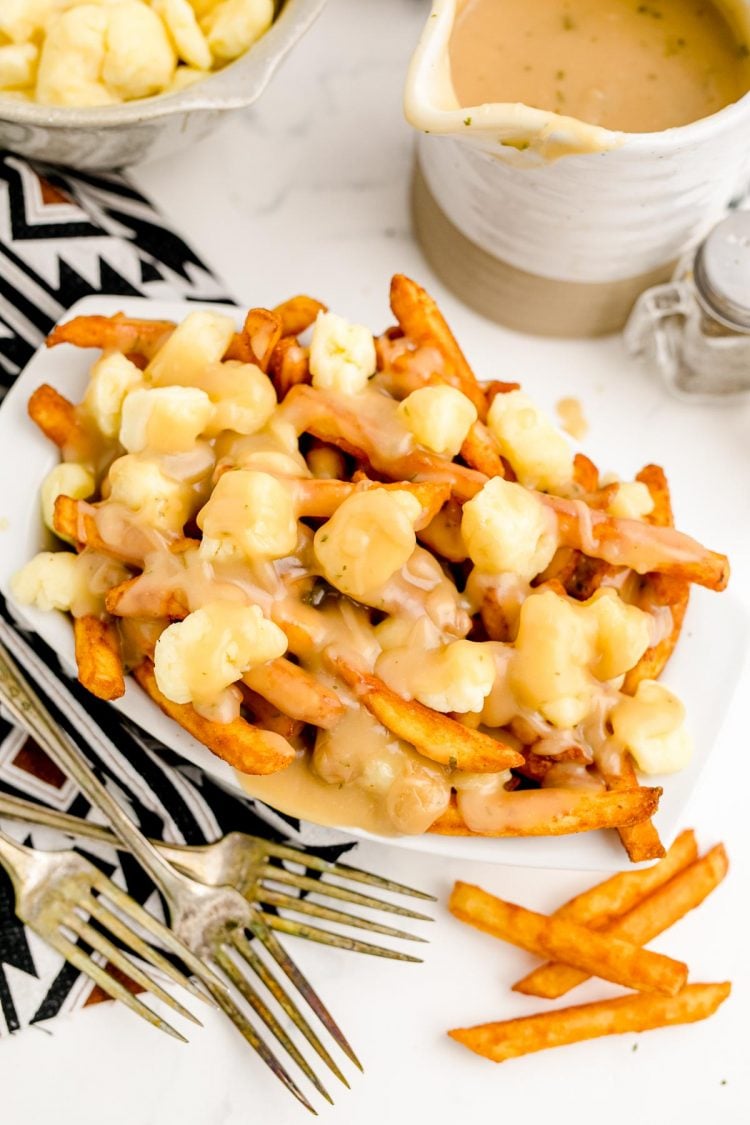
[(319, 451), (600, 933)]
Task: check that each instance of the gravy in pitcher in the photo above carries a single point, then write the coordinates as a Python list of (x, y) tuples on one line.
[(622, 64)]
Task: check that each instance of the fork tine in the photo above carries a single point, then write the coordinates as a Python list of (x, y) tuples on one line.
[(333, 890), (102, 944), (283, 960), (83, 962), (197, 967), (245, 949), (339, 941), (306, 906), (246, 990), (342, 870), (249, 1033)]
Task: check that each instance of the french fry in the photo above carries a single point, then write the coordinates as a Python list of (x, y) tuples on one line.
[(288, 366), (436, 736), (644, 921), (443, 534), (585, 473), (607, 957), (55, 416), (239, 743), (480, 451), (260, 334), (421, 320), (295, 691), (269, 717), (557, 812), (120, 332), (297, 314), (509, 1039), (655, 479), (76, 521), (134, 598), (97, 648), (321, 498), (641, 841)]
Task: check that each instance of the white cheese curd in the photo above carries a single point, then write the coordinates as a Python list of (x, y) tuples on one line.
[(18, 62), (632, 501), (342, 355), (140, 484), (188, 39), (507, 529), (651, 725), (200, 339), (196, 659), (232, 26), (451, 677), (139, 57), (249, 515), (164, 419), (66, 479), (51, 580), (72, 59), (243, 397), (439, 417), (541, 457), (113, 376)]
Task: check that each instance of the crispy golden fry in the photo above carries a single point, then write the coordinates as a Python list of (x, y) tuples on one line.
[(443, 534), (421, 320), (585, 473), (644, 921), (295, 691), (641, 841), (98, 657), (243, 746), (269, 717), (322, 497), (508, 1039), (298, 313), (75, 520), (260, 334), (436, 736), (480, 451), (120, 332), (655, 479), (537, 766), (54, 415), (557, 812), (289, 365), (607, 957)]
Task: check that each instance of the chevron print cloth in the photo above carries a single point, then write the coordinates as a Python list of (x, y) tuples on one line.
[(64, 236)]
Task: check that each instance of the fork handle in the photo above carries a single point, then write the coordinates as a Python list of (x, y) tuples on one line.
[(27, 709)]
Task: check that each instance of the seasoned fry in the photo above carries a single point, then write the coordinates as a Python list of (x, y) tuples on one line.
[(435, 735), (98, 657), (292, 689), (297, 314), (119, 332), (608, 957), (644, 921), (557, 812), (508, 1039), (241, 745), (54, 415), (641, 841), (421, 320)]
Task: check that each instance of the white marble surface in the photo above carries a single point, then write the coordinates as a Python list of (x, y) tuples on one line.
[(309, 192)]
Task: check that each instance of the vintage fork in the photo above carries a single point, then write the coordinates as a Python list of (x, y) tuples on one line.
[(60, 894), (212, 921), (246, 863)]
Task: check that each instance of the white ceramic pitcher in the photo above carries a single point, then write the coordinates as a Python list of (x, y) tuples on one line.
[(550, 225)]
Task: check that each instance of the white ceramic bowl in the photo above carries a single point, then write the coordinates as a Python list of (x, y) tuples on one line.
[(113, 136)]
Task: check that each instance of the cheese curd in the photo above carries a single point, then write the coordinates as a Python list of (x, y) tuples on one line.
[(505, 528), (18, 62), (538, 452), (199, 340), (76, 584), (451, 677), (182, 25), (342, 355), (651, 726), (439, 417), (139, 58), (66, 479), (250, 515), (565, 649), (72, 59), (242, 395), (234, 25), (140, 484), (631, 501), (113, 377), (164, 419), (195, 660), (367, 540)]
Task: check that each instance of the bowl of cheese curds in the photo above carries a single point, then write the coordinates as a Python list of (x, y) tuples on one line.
[(105, 83)]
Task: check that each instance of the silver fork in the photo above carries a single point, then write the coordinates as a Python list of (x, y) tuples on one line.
[(60, 894), (213, 922), (247, 864)]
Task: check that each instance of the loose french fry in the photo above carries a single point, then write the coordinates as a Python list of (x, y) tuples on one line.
[(297, 314), (509, 1039), (322, 497), (421, 320), (607, 957), (557, 812), (641, 841), (55, 416), (98, 657), (120, 332), (295, 691), (243, 746), (644, 921), (435, 735), (480, 451)]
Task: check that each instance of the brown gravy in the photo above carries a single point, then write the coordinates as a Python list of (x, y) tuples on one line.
[(622, 64)]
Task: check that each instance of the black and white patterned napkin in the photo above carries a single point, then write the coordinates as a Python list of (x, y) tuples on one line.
[(64, 236)]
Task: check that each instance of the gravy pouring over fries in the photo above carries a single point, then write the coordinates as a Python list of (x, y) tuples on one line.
[(389, 591)]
